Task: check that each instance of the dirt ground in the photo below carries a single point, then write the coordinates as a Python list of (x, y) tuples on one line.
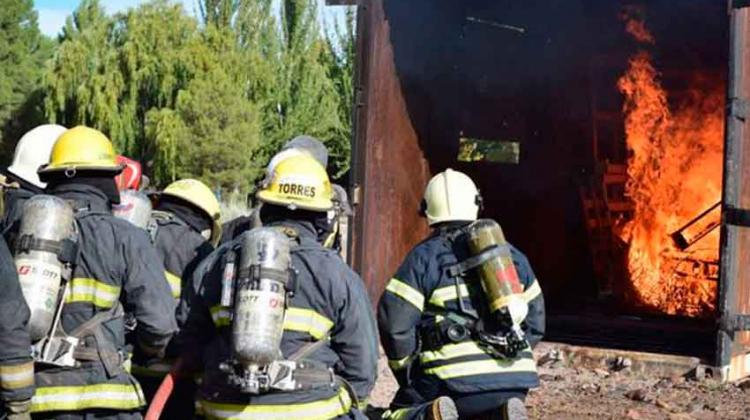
[(617, 392)]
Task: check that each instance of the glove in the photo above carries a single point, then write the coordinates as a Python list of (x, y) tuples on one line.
[(18, 410)]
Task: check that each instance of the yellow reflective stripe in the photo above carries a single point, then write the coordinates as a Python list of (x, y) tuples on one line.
[(74, 398), (398, 364), (444, 294), (338, 405), (175, 283), (532, 292), (406, 292), (221, 315), (362, 406), (307, 321), (400, 414), (17, 376), (483, 367), (93, 291), (451, 351)]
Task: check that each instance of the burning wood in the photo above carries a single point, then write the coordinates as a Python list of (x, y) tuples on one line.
[(674, 168), (698, 228)]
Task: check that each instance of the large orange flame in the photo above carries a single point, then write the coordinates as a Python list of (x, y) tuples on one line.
[(675, 166)]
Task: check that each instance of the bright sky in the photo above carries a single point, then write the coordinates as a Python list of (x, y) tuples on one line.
[(52, 13)]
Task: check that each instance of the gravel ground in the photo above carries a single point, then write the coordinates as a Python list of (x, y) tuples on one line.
[(570, 392)]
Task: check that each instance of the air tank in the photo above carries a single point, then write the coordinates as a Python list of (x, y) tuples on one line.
[(40, 271), (260, 297), (498, 274), (135, 207)]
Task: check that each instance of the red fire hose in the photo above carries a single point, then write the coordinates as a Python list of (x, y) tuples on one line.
[(164, 392)]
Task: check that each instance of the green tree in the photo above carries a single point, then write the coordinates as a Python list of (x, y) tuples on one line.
[(109, 72), (303, 99), (213, 100), (340, 58), (23, 50)]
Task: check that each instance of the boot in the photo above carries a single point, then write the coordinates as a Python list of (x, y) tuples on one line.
[(515, 409), (442, 408)]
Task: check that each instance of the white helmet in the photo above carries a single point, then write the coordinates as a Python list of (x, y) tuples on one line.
[(299, 146), (33, 151), (451, 196)]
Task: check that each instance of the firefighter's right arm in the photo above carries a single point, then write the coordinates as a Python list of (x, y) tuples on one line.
[(148, 296), (399, 312), (354, 337), (16, 365)]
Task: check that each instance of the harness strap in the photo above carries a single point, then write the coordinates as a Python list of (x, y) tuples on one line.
[(309, 348), (65, 249), (311, 375), (103, 350), (463, 267), (258, 272)]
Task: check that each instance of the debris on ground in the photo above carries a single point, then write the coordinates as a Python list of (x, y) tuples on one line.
[(569, 391)]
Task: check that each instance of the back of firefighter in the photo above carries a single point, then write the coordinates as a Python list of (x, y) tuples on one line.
[(16, 365), (184, 220), (22, 181), (327, 316), (116, 265), (422, 300)]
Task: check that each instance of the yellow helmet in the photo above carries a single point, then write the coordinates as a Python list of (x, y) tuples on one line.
[(199, 195), (451, 196), (299, 182), (82, 148)]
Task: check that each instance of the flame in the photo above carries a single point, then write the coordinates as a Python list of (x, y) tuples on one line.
[(675, 169)]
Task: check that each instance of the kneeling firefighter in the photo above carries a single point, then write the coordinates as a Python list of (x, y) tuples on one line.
[(80, 269), (185, 218), (460, 316), (21, 180), (275, 321)]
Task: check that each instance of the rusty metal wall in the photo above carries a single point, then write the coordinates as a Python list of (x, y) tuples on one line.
[(390, 171)]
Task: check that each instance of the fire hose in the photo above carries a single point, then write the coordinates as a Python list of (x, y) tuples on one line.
[(164, 392)]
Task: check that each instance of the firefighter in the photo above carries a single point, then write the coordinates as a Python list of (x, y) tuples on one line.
[(16, 365), (184, 225), (443, 343), (22, 181), (114, 270), (300, 145), (328, 325)]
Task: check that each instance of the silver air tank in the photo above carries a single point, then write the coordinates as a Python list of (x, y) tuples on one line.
[(135, 207), (40, 271), (260, 300)]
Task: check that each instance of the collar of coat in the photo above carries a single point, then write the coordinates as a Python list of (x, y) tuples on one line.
[(305, 230), (86, 196)]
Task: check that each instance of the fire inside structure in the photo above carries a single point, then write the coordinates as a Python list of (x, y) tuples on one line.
[(674, 170), (595, 130)]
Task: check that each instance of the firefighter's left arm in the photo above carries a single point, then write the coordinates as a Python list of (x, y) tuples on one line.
[(16, 365), (534, 326), (200, 327), (147, 295), (354, 337)]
